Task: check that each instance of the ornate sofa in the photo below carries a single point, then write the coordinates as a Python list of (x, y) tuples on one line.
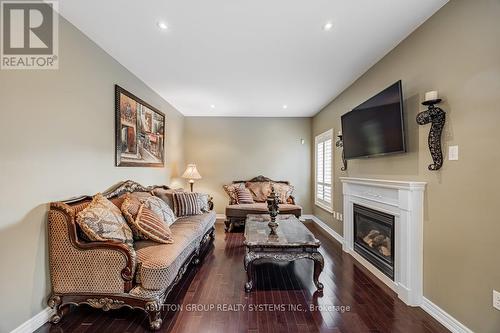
[(236, 213), (110, 275)]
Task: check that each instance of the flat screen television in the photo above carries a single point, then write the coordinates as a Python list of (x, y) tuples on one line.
[(375, 127)]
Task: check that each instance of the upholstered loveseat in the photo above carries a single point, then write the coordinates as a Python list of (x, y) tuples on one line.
[(236, 212), (108, 274)]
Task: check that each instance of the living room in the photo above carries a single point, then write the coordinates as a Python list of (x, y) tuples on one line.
[(250, 166)]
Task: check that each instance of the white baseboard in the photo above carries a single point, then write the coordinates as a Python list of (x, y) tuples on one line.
[(444, 318), (325, 227), (221, 216), (34, 322)]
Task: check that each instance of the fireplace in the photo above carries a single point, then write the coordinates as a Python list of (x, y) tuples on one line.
[(374, 238)]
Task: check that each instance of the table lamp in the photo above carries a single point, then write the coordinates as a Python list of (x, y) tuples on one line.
[(191, 173)]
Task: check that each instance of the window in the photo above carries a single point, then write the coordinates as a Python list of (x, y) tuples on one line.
[(323, 170)]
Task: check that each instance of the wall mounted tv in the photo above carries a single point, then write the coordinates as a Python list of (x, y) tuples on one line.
[(375, 127)]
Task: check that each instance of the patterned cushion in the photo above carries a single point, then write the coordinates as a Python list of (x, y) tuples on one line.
[(101, 220), (284, 191), (231, 191), (144, 222), (167, 195), (160, 208), (260, 190), (203, 201), (186, 204), (244, 196)]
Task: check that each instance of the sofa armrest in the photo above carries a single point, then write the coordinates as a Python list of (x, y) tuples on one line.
[(76, 266)]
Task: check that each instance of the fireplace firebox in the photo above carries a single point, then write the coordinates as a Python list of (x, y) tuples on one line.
[(374, 238)]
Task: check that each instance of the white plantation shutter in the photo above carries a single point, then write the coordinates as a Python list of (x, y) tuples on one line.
[(323, 162)]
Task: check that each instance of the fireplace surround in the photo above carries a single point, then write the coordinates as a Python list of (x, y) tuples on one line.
[(403, 200)]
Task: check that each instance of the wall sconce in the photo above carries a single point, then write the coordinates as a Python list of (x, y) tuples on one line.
[(340, 144), (437, 117)]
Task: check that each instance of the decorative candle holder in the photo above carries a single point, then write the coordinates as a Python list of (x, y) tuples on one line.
[(437, 117), (340, 144), (272, 206)]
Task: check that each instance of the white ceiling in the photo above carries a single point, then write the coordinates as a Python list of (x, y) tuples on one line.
[(248, 58)]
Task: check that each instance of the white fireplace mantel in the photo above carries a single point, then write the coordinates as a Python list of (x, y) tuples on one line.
[(404, 200)]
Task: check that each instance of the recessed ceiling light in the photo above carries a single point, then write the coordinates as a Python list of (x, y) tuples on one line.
[(328, 26), (212, 106), (285, 106), (162, 25)]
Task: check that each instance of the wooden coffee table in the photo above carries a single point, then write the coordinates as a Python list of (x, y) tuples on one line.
[(292, 242)]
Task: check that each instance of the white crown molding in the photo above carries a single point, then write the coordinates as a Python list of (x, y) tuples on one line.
[(444, 317), (34, 322)]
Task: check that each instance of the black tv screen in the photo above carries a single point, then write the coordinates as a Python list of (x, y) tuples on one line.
[(375, 127)]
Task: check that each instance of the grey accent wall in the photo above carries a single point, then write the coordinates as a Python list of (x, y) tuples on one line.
[(57, 141), (228, 149), (457, 52)]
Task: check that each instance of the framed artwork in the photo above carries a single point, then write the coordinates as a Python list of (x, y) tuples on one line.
[(139, 132)]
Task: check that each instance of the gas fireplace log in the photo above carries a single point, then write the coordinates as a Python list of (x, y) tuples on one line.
[(368, 239), (384, 251)]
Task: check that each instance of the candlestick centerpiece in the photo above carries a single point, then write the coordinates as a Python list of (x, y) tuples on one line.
[(272, 206)]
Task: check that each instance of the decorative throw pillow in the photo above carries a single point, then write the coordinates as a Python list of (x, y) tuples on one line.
[(203, 202), (284, 191), (145, 223), (167, 195), (186, 204), (102, 221), (130, 209), (260, 190), (231, 191), (244, 196), (160, 208)]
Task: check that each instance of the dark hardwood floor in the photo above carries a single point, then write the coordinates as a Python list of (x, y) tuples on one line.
[(281, 301)]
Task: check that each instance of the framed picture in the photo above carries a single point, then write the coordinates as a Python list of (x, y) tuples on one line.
[(139, 132)]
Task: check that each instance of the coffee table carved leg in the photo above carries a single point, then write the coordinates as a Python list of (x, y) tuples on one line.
[(248, 263), (319, 263), (227, 224)]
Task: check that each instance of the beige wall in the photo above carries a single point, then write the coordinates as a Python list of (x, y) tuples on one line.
[(57, 141), (457, 52), (227, 149)]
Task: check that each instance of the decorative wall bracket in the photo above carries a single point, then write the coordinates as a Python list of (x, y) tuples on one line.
[(437, 117), (340, 144)]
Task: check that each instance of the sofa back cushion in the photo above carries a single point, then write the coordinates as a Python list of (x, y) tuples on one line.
[(244, 196), (260, 190), (101, 220)]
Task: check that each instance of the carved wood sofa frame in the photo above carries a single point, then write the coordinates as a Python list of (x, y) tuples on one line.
[(238, 222), (109, 301)]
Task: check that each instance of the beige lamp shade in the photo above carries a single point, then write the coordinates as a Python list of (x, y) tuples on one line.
[(191, 172)]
